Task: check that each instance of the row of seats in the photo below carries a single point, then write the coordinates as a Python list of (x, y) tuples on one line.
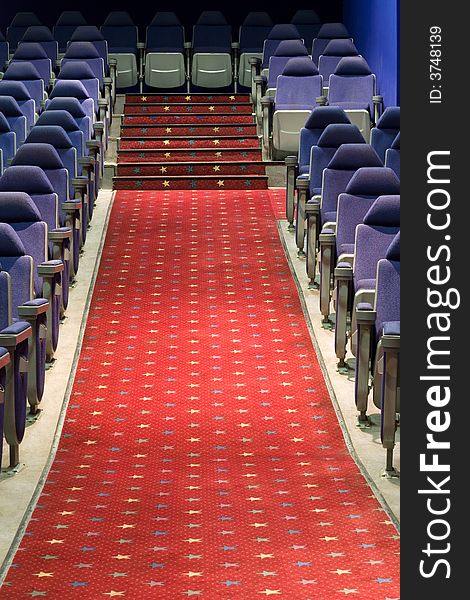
[(166, 60), (53, 136), (344, 195)]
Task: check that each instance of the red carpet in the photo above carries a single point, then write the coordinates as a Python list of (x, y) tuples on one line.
[(201, 454), (198, 128)]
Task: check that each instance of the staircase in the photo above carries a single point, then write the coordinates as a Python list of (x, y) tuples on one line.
[(194, 141)]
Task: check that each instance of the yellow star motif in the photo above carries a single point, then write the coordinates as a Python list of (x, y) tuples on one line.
[(163, 169), (122, 556), (193, 540), (166, 184), (55, 541), (270, 592), (42, 574), (193, 574), (216, 142), (329, 539), (211, 108), (221, 183), (168, 129), (216, 168), (143, 98), (188, 98), (216, 129), (259, 525), (265, 555), (347, 591), (166, 142), (126, 526), (218, 154), (167, 154), (166, 108), (342, 571), (113, 593), (231, 97)]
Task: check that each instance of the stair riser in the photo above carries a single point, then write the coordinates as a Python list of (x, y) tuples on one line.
[(213, 109), (195, 143), (164, 120), (188, 156), (220, 169), (180, 184), (163, 132), (224, 99)]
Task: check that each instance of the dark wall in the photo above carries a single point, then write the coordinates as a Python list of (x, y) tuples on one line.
[(374, 25), (142, 11)]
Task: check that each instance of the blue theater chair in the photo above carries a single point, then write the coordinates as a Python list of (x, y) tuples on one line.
[(392, 156), (328, 32), (310, 187), (31, 78), (10, 109), (378, 327), (18, 27), (48, 160), (329, 60), (14, 335), (7, 143), (32, 53), (41, 35), (18, 91), (34, 182), (4, 52), (337, 244), (65, 26), (355, 280), (321, 211), (383, 134), (43, 279), (308, 24)]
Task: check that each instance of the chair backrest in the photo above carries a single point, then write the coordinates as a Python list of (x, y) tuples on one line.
[(299, 85), (333, 53), (65, 88), (308, 24), (352, 85), (47, 158), (18, 91), (10, 109), (254, 30), (165, 33), (319, 119), (18, 210), (283, 31), (120, 32), (212, 33), (328, 31), (62, 118), (75, 109), (387, 295), (330, 140), (33, 181), (19, 266), (286, 50), (392, 156), (28, 74), (17, 28), (78, 70), (85, 52), (374, 236), (57, 137), (42, 35), (383, 134), (347, 159), (366, 185), (90, 33), (34, 53), (4, 51), (7, 142), (66, 24)]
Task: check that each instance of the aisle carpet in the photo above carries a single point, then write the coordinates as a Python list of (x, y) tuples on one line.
[(201, 454), (194, 141)]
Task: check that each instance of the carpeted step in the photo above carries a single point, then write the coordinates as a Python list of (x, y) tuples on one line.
[(188, 130), (172, 142), (185, 155), (182, 109), (186, 119), (187, 98), (189, 182), (193, 168)]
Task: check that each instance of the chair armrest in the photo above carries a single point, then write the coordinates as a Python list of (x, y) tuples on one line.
[(344, 271), (59, 234), (140, 45), (365, 313), (107, 81), (86, 161), (98, 127), (235, 45), (188, 45), (254, 61), (72, 205), (112, 62), (303, 182), (50, 268), (33, 309), (377, 99), (80, 183), (327, 236), (103, 103), (321, 100), (346, 260), (13, 335), (291, 161), (4, 358)]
